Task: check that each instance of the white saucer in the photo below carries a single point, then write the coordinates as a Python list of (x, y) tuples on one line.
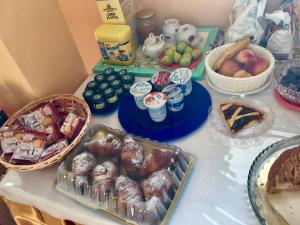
[(238, 93)]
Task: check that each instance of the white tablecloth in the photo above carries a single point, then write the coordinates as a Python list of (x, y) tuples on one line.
[(215, 194)]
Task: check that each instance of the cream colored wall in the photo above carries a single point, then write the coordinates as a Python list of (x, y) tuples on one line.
[(38, 54)]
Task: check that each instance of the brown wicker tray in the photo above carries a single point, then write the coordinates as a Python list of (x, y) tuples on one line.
[(64, 103)]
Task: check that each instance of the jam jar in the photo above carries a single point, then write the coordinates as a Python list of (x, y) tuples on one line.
[(98, 103), (103, 86), (117, 86), (110, 96), (92, 85), (147, 23), (122, 73), (88, 96), (111, 78), (127, 81), (99, 78), (108, 71)]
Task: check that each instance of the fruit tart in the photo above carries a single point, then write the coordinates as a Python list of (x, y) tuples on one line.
[(239, 116)]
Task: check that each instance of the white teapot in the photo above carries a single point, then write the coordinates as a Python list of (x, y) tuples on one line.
[(154, 45)]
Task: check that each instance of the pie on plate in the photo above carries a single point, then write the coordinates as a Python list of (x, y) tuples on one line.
[(239, 116)]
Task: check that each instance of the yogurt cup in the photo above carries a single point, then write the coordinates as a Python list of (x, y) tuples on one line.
[(160, 80), (156, 105), (183, 78), (139, 90), (175, 100)]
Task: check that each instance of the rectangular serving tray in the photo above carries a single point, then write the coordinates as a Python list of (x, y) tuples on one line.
[(207, 34), (92, 205)]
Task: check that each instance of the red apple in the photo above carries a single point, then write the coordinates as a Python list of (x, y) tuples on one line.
[(256, 65), (229, 68), (241, 74), (244, 55)]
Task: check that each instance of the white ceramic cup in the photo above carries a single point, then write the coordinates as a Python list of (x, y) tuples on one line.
[(156, 105), (139, 90), (183, 78)]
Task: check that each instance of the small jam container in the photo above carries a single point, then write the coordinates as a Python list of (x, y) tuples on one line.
[(92, 85), (117, 86), (99, 78), (108, 71), (139, 90), (156, 105), (98, 103), (88, 96), (110, 96), (111, 78), (183, 78), (175, 101), (103, 86), (160, 80), (127, 81), (122, 73)]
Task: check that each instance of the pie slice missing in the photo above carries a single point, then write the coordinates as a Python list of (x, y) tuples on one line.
[(285, 172), (240, 116)]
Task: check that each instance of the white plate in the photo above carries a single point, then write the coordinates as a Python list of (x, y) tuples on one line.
[(238, 93)]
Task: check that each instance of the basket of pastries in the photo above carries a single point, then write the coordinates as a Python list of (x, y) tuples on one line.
[(43, 132)]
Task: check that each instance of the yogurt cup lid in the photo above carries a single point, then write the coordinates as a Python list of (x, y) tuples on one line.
[(155, 100), (181, 76), (140, 88), (171, 90)]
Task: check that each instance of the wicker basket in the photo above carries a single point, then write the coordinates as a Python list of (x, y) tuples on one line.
[(64, 103)]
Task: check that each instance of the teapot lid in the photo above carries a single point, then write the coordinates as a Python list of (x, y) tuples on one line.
[(146, 14)]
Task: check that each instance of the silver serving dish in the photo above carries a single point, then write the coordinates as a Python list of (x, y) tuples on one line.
[(257, 179)]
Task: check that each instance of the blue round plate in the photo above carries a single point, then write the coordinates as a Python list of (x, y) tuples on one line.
[(177, 124)]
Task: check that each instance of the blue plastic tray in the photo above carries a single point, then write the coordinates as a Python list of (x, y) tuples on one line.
[(177, 124)]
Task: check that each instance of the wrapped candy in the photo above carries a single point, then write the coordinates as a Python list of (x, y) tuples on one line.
[(53, 149), (30, 147), (9, 141), (44, 119), (72, 125)]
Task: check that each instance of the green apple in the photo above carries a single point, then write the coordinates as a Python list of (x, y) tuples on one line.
[(180, 47), (176, 57), (166, 60), (196, 54), (187, 55), (188, 50), (185, 62), (170, 52)]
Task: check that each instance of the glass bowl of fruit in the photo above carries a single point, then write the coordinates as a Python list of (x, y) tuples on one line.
[(287, 80)]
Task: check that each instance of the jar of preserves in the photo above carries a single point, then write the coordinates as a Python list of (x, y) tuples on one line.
[(117, 86), (88, 96), (111, 78), (3, 117), (110, 96), (103, 86), (99, 78), (127, 81), (98, 103), (92, 85), (146, 23)]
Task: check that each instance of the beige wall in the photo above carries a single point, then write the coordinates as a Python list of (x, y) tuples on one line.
[(38, 54)]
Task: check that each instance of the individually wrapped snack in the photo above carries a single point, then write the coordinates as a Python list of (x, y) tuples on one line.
[(9, 141), (44, 119), (30, 147), (53, 149), (72, 125)]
